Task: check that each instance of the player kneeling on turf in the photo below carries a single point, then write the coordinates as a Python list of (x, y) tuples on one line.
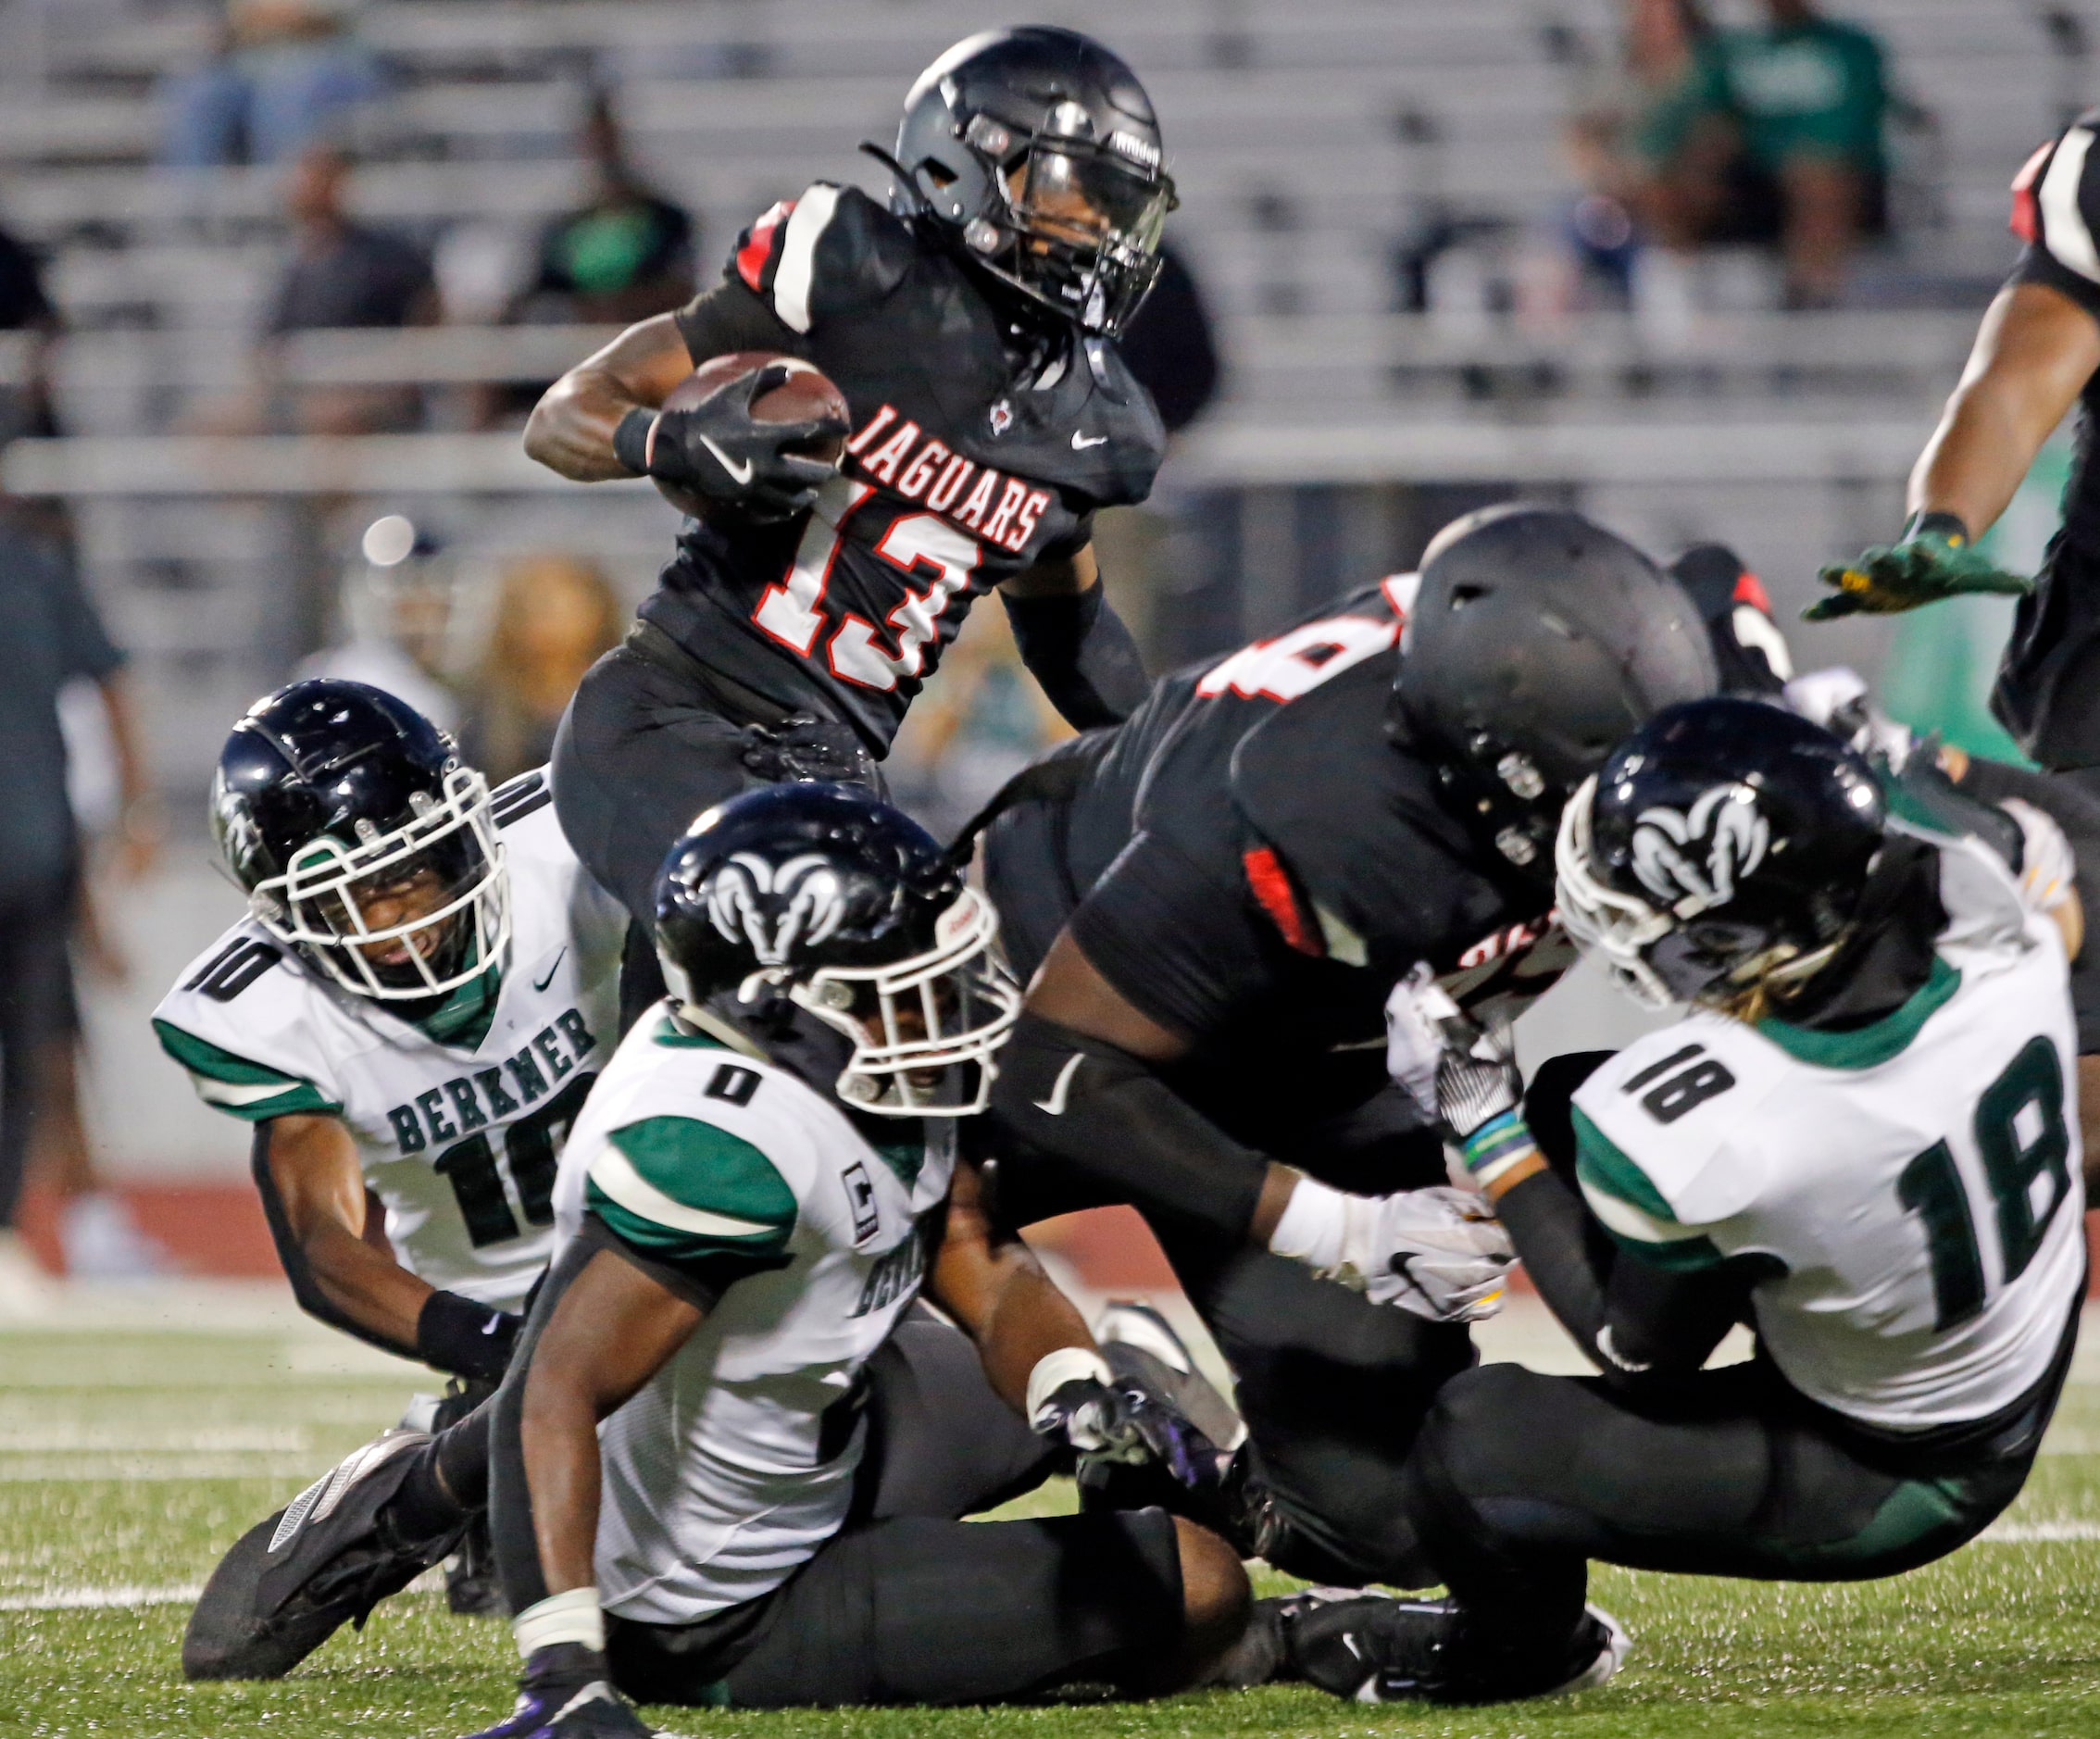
[(410, 1016), (1857, 1141), (765, 1177)]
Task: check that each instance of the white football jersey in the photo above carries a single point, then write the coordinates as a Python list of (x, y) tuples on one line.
[(736, 1461), (458, 1137), (1911, 1189)]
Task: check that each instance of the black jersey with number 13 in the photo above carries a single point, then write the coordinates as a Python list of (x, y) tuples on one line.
[(973, 455)]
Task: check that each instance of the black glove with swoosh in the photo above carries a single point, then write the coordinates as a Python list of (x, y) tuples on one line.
[(728, 459)]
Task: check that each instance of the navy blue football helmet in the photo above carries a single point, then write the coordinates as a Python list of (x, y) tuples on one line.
[(824, 895), (363, 842), (1720, 855)]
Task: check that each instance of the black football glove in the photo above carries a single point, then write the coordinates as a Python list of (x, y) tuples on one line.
[(805, 747), (720, 453), (566, 1692)]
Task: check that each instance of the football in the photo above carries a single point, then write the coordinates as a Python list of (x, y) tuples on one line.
[(806, 395)]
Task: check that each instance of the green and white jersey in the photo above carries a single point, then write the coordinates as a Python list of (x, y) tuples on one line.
[(459, 1120), (1911, 1189), (736, 1461)]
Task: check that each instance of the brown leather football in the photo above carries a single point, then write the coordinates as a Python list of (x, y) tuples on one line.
[(807, 394)]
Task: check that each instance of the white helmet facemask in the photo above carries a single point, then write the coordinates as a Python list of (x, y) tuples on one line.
[(1615, 927), (336, 904), (939, 1017)]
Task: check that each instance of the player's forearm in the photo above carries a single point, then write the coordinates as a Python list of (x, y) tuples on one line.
[(2034, 352), (1030, 1320), (561, 1436), (570, 429), (364, 1286), (1977, 456)]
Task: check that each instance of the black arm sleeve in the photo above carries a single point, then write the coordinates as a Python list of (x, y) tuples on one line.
[(730, 317), (1078, 1123), (1639, 1323), (1078, 648)]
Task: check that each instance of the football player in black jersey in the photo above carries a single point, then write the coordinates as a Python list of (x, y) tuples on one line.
[(2036, 354), (1215, 900), (972, 329)]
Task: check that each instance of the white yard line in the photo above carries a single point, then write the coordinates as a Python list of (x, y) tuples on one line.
[(122, 1594), (2039, 1533)]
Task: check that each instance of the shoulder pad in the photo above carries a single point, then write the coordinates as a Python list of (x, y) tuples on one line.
[(2056, 199), (517, 798), (829, 250), (1678, 1107), (239, 1021)]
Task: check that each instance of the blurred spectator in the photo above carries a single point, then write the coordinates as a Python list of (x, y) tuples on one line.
[(625, 256), (339, 273), (49, 634), (555, 617), (1777, 135), (26, 308), (280, 73), (1169, 348), (394, 621)]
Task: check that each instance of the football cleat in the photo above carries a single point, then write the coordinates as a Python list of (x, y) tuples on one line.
[(1374, 1648), (326, 1559)]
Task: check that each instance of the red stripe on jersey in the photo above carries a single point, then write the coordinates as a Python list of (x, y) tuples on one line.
[(2026, 219), (1271, 885), (1750, 590), (757, 249)]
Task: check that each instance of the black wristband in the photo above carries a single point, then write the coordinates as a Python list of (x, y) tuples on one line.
[(1937, 524), (630, 440), (465, 1338)]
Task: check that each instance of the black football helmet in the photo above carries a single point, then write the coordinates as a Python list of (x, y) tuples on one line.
[(362, 841), (1038, 153), (830, 898), (1720, 855), (1538, 639)]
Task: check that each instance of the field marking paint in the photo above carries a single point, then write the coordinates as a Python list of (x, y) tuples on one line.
[(120, 1596), (2039, 1533)]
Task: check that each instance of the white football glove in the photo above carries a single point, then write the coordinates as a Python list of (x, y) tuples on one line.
[(1414, 1038), (1438, 1252)]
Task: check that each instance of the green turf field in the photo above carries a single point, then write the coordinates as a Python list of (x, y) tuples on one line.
[(128, 1459)]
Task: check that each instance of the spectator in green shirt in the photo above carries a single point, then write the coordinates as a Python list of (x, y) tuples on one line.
[(1806, 97)]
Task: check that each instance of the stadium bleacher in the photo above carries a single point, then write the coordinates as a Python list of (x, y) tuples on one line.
[(1309, 140)]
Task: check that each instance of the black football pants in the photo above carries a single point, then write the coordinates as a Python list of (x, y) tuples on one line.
[(651, 740), (1518, 1479), (1333, 1387)]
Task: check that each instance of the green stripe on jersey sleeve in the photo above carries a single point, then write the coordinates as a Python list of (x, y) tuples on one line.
[(679, 1190), (239, 1087), (1630, 1207)]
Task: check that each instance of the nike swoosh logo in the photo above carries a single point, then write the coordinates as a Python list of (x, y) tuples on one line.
[(1061, 1088), (740, 474), (1079, 442), (540, 983), (492, 1325)]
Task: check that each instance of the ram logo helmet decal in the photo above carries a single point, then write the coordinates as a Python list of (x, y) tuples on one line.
[(1692, 861), (774, 909)]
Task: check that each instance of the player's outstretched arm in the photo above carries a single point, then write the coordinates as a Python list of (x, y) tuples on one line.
[(313, 1191), (1074, 643), (2034, 355), (571, 428)]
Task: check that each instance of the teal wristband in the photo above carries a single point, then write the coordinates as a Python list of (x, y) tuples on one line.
[(1497, 1144)]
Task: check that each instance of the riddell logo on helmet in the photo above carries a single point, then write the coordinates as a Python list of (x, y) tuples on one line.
[(773, 909), (1001, 509), (1725, 822)]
